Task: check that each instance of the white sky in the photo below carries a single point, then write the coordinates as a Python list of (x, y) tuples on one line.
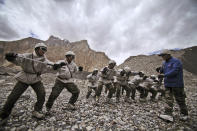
[(120, 28)]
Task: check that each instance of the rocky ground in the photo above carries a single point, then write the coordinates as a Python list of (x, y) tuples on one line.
[(120, 116)]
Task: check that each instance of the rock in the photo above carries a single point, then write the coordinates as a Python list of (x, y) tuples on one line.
[(52, 119), (89, 128)]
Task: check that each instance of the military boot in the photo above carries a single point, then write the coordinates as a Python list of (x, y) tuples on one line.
[(48, 111), (97, 99), (142, 100), (126, 99), (153, 99), (37, 115), (183, 117)]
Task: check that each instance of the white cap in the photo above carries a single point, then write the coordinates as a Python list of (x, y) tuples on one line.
[(70, 53), (112, 62), (141, 72), (127, 69), (119, 70), (40, 45), (152, 76), (165, 52), (95, 69)]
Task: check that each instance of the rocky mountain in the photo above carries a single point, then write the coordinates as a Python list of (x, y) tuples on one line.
[(148, 63), (57, 47)]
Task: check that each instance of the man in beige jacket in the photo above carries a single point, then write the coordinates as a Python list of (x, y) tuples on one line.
[(65, 79), (33, 65), (106, 79)]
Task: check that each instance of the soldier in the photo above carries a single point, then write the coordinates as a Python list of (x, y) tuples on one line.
[(134, 84), (33, 65), (172, 71), (65, 80), (106, 78), (127, 85), (92, 85), (151, 87), (120, 81)]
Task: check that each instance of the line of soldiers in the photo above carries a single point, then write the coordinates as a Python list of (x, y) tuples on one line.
[(117, 81)]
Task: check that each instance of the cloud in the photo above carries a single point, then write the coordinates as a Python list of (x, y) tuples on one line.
[(6, 31), (119, 28)]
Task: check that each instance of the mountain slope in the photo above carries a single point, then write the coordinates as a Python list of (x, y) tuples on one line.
[(57, 48)]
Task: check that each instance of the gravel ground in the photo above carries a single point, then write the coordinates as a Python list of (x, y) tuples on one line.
[(115, 116)]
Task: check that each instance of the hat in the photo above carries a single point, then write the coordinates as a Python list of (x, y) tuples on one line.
[(70, 53), (153, 76), (127, 69), (95, 69), (164, 52), (40, 45), (112, 62)]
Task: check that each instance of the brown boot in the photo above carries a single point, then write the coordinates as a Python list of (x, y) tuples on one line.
[(37, 115)]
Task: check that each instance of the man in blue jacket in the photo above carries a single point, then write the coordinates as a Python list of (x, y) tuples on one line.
[(172, 71)]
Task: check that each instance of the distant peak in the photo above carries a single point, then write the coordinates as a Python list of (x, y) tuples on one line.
[(53, 38)]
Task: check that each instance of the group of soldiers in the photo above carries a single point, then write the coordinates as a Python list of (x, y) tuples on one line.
[(116, 82)]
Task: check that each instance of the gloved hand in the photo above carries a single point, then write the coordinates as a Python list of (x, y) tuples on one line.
[(56, 66), (144, 78), (10, 56), (158, 69), (160, 76), (80, 68), (122, 73), (62, 64), (105, 70)]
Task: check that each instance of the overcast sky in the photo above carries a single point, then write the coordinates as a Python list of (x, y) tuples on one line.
[(120, 28)]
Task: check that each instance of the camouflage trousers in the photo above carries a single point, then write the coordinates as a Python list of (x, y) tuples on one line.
[(57, 89), (18, 90), (143, 91), (132, 91), (152, 91), (90, 91), (117, 89), (179, 95), (109, 87)]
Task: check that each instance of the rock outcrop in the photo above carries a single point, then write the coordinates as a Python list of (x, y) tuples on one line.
[(57, 47)]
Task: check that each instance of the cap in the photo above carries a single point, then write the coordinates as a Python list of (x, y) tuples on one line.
[(112, 62), (70, 53), (164, 52), (40, 45)]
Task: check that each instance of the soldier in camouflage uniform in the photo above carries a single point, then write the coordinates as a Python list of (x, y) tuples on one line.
[(134, 84), (120, 81), (149, 86), (127, 85), (65, 79), (92, 85), (33, 65), (106, 79)]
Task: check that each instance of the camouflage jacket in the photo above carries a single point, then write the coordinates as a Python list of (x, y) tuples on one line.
[(66, 73), (31, 70)]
